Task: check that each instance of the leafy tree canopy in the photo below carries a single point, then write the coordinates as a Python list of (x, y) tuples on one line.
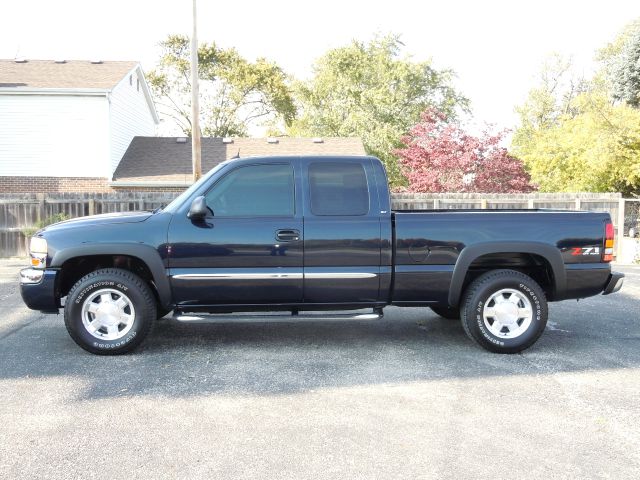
[(626, 72), (369, 90), (440, 156), (612, 56), (234, 93), (595, 150), (575, 134)]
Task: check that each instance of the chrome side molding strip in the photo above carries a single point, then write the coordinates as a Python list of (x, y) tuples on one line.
[(268, 276), (238, 276), (329, 275)]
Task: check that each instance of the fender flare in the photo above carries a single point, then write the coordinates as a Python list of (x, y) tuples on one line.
[(550, 253), (145, 253)]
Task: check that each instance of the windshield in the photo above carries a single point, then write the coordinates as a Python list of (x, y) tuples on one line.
[(189, 191)]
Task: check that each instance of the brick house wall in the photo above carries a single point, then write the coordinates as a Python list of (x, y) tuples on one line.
[(53, 184), (150, 189), (73, 185)]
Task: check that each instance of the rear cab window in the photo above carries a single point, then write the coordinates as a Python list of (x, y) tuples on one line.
[(338, 189)]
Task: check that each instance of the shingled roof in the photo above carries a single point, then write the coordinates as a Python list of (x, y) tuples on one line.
[(168, 159), (71, 74)]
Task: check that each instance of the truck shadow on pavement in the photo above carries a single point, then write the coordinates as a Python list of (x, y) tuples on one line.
[(279, 358)]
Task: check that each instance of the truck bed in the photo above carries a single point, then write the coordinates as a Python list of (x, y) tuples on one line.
[(428, 243)]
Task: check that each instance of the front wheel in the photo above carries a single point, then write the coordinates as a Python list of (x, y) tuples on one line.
[(109, 311), (504, 311)]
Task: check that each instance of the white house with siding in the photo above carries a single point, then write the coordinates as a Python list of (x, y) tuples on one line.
[(65, 125)]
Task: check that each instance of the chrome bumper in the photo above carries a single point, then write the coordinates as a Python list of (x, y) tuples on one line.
[(31, 276), (616, 279)]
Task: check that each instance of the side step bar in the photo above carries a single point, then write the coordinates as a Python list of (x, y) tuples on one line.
[(275, 317)]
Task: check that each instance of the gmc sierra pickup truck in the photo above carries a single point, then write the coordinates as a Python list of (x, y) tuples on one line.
[(314, 234)]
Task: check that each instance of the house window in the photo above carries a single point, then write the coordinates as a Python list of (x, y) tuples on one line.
[(138, 84), (130, 79)]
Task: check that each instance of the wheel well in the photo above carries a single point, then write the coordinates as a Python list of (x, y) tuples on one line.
[(535, 266), (75, 268)]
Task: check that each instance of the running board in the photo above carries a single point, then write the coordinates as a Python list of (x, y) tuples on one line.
[(275, 317)]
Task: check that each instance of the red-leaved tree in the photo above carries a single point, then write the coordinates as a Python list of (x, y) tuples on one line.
[(441, 157)]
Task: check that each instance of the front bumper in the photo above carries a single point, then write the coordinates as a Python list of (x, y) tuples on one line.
[(616, 279), (38, 289)]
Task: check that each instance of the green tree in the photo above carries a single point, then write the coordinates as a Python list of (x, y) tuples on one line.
[(549, 101), (626, 80), (575, 134), (611, 55), (591, 145), (369, 90), (235, 94)]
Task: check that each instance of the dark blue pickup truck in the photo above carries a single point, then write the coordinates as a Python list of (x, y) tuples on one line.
[(314, 234)]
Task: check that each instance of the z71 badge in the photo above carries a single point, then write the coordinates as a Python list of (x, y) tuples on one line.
[(585, 251)]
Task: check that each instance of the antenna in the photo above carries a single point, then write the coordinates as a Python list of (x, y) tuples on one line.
[(237, 155)]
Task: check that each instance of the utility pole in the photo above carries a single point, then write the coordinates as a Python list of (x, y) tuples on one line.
[(196, 157)]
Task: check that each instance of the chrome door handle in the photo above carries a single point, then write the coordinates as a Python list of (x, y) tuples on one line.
[(287, 235)]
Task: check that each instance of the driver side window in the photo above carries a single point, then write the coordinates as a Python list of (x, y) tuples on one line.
[(254, 191)]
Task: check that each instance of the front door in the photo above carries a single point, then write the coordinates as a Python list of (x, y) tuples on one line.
[(249, 249)]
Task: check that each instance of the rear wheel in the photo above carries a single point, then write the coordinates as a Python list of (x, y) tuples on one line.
[(504, 311), (109, 311), (446, 312)]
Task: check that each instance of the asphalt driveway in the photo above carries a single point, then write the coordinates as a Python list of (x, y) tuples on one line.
[(405, 397)]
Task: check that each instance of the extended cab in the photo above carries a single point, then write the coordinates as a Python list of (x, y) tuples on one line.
[(314, 234)]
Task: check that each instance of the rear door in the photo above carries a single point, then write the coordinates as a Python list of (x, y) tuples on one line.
[(342, 232)]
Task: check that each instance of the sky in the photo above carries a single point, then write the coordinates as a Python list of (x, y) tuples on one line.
[(495, 47)]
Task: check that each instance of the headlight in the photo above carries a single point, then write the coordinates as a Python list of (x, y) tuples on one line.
[(38, 245), (38, 251)]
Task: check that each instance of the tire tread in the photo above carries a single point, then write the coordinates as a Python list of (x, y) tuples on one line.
[(481, 282), (144, 290)]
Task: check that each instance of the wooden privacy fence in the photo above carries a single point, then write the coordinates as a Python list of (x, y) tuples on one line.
[(21, 211), (608, 202)]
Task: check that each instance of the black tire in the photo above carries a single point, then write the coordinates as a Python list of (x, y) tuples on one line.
[(446, 312), (478, 297), (119, 282)]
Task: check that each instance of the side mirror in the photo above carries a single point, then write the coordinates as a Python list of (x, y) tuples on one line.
[(198, 209)]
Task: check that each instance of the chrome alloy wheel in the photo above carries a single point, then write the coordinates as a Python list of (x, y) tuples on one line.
[(507, 313), (108, 314)]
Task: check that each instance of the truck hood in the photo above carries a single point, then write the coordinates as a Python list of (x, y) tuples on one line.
[(97, 220)]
